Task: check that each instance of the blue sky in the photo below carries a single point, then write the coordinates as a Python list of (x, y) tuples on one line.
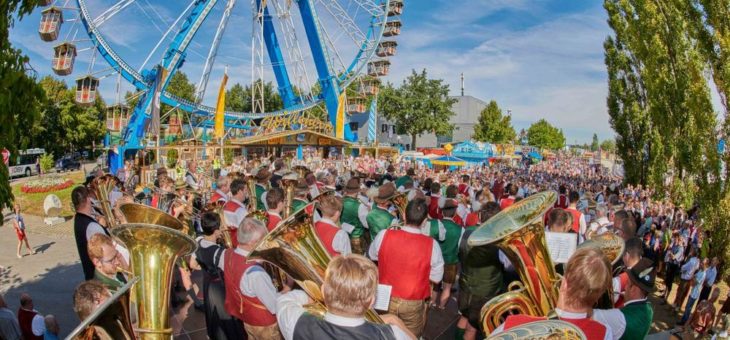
[(539, 59)]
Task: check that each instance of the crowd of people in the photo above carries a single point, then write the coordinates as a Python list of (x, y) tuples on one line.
[(403, 226)]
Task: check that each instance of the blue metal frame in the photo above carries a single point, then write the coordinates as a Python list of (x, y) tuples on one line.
[(277, 59), (327, 81)]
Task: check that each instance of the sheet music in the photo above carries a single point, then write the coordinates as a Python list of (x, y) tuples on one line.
[(561, 245), (382, 297)]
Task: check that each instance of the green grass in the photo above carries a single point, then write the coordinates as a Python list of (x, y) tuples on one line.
[(33, 203)]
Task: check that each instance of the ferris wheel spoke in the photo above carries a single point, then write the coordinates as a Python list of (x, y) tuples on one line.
[(346, 23), (213, 52), (164, 36), (111, 12), (329, 45), (296, 59), (375, 9)]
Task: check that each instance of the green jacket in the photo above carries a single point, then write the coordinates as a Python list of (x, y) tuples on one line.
[(112, 284), (481, 269), (450, 244), (350, 215), (260, 190), (401, 181), (638, 316), (296, 205), (378, 219)]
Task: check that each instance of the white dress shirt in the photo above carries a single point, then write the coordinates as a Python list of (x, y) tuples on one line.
[(341, 241), (437, 259), (290, 309), (256, 283)]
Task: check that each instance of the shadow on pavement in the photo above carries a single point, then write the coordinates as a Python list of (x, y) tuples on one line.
[(52, 292), (42, 248)]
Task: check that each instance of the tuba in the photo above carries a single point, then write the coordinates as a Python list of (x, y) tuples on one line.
[(294, 247), (547, 329), (520, 233), (251, 184), (110, 320), (217, 207), (400, 201), (155, 241), (288, 183), (103, 187)]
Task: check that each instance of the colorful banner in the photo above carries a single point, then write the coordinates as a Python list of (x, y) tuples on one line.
[(340, 121), (372, 121), (220, 108)]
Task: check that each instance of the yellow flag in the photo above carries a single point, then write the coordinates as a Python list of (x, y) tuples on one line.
[(220, 109), (340, 119)]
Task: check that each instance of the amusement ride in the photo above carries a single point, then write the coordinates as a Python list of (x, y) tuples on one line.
[(313, 51)]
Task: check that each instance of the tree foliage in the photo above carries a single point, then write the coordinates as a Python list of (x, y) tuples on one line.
[(420, 105), (493, 126), (543, 135), (20, 96), (66, 125), (238, 98), (608, 145), (660, 61)]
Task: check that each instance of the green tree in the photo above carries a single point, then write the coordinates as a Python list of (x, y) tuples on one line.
[(238, 98), (543, 135), (46, 162), (420, 105), (20, 95), (494, 127), (594, 143), (66, 125), (608, 145)]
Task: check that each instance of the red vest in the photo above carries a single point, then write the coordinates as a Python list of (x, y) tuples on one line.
[(25, 319), (457, 219), (434, 211), (472, 219), (593, 330), (506, 202), (273, 221), (562, 202), (232, 207), (217, 197), (326, 233), (576, 216), (623, 279), (155, 201), (464, 189), (248, 309), (404, 262)]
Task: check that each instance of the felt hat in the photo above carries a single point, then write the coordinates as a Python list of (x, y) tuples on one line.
[(353, 185), (643, 274), (385, 192)]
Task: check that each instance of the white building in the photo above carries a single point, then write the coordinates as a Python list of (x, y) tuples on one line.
[(466, 109)]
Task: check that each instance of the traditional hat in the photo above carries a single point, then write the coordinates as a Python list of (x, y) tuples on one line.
[(180, 184), (352, 186), (643, 275), (450, 204), (301, 187), (385, 192), (262, 174)]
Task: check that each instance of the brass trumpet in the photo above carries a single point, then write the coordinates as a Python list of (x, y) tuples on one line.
[(519, 232)]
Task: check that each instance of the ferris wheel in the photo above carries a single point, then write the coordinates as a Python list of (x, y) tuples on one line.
[(310, 50)]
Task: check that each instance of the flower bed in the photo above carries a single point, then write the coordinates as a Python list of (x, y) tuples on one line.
[(46, 184)]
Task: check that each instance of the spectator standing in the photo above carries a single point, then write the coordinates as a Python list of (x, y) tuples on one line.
[(672, 259), (699, 280), (9, 327), (32, 324), (710, 279), (19, 226), (52, 328)]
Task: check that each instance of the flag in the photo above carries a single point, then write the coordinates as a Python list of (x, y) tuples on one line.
[(220, 109), (153, 125), (340, 119), (372, 128)]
